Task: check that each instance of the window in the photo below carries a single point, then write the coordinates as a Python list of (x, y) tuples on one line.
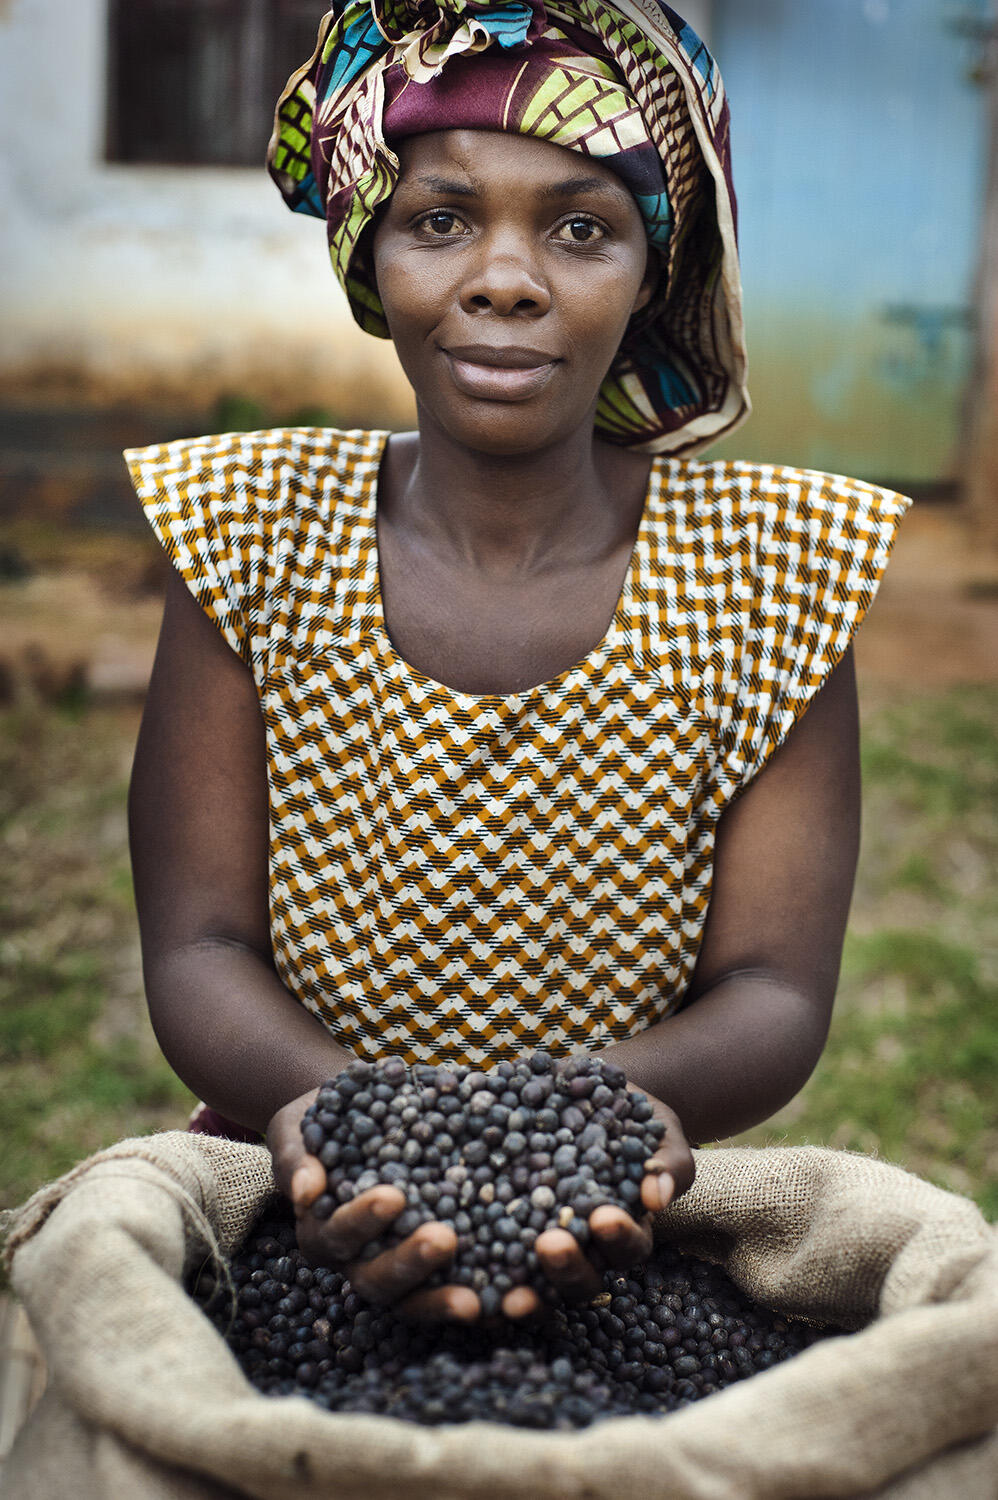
[(196, 81)]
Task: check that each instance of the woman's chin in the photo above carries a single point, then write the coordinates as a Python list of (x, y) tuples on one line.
[(512, 429)]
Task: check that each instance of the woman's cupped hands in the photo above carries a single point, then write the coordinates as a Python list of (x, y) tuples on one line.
[(401, 1275)]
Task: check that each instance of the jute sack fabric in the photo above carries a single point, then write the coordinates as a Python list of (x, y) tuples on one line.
[(147, 1402)]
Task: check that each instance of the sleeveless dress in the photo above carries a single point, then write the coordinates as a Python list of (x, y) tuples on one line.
[(459, 877)]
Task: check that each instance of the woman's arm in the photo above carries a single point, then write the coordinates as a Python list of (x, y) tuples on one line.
[(759, 1005), (198, 814)]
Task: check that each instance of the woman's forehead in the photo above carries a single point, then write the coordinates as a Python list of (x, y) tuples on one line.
[(469, 160)]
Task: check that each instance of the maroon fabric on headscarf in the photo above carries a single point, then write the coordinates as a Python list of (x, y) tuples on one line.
[(495, 91)]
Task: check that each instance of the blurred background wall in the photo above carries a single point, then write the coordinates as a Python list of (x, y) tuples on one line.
[(859, 136), (145, 256), (147, 260)]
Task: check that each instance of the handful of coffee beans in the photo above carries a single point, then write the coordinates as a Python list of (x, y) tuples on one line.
[(500, 1156)]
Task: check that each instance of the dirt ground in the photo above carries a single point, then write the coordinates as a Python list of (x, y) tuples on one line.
[(935, 621)]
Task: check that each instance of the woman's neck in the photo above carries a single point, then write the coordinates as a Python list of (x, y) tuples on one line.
[(573, 501)]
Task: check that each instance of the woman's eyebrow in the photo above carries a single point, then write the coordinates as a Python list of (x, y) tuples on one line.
[(445, 185), (571, 186)]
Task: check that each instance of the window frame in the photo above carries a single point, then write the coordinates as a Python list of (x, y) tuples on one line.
[(248, 33)]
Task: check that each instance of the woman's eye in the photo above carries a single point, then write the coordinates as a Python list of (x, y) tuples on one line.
[(581, 231), (441, 223)]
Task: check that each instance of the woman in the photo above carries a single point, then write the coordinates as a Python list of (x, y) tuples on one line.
[(505, 733)]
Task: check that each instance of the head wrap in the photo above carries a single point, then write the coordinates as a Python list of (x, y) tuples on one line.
[(629, 84)]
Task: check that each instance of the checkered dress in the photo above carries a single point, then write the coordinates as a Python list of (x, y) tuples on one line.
[(462, 877)]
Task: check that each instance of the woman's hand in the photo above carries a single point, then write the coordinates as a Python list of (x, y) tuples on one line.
[(617, 1239), (396, 1275)]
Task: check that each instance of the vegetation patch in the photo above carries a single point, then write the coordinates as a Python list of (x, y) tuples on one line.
[(79, 1066), (909, 1068)]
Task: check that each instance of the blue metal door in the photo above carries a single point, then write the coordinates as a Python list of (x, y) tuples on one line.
[(858, 130)]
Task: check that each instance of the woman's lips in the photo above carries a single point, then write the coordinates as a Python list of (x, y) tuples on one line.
[(500, 374)]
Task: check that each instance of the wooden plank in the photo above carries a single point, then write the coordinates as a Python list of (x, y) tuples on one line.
[(981, 449), (22, 1372)]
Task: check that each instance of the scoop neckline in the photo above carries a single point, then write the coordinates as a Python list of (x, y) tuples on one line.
[(613, 640)]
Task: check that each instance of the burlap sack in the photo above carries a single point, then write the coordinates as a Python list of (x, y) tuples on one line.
[(147, 1403)]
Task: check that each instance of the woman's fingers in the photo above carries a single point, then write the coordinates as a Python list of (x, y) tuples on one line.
[(620, 1240), (459, 1304), (522, 1302), (440, 1304), (286, 1145), (657, 1189), (342, 1237), (395, 1273), (674, 1158), (354, 1225), (566, 1267), (671, 1169), (308, 1182)]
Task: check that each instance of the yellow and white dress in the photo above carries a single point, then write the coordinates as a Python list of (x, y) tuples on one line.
[(464, 877)]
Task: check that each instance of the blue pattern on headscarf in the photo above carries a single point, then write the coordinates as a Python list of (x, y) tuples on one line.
[(509, 24), (307, 199), (360, 43), (696, 52), (657, 214), (675, 388)]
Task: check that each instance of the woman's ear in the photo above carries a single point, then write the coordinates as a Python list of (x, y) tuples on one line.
[(649, 281)]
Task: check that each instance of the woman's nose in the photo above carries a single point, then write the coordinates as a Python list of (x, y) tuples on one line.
[(505, 280)]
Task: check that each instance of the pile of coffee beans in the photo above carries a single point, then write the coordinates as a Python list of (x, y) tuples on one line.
[(500, 1156), (668, 1333)]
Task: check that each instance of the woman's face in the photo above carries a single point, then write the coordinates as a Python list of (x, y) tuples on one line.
[(508, 269)]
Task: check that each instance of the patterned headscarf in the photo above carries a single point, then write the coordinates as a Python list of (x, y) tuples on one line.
[(630, 84)]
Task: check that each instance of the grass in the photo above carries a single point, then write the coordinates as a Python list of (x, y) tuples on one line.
[(909, 1068), (910, 1064), (79, 1067)]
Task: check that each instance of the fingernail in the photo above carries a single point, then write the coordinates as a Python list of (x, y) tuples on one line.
[(301, 1181), (666, 1188), (383, 1211)]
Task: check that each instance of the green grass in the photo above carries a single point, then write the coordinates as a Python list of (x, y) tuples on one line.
[(909, 1069), (79, 1067), (240, 413)]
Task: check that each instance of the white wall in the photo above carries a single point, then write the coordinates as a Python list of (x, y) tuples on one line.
[(154, 281), (122, 282)]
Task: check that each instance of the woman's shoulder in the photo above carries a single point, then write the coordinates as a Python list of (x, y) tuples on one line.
[(274, 467), (766, 526), (767, 557), (737, 494)]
